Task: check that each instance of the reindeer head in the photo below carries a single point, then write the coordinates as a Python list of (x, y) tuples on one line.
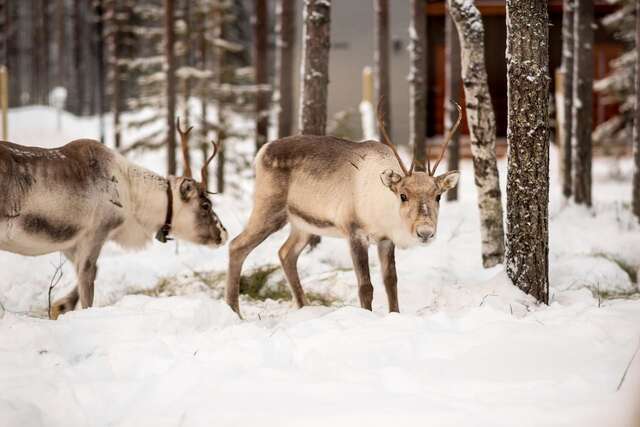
[(419, 192), (193, 217)]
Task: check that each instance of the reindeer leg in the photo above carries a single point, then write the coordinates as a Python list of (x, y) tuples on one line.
[(386, 253), (87, 268), (69, 301), (257, 230), (289, 253), (360, 258)]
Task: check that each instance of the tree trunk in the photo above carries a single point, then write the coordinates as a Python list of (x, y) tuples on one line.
[(316, 41), (13, 54), (204, 93), (99, 58), (5, 30), (482, 129), (171, 85), (260, 39), (286, 36), (528, 137), (219, 62), (636, 123), (452, 92), (36, 45), (382, 61), (582, 100), (45, 57), (79, 70), (567, 84), (186, 83), (61, 52), (417, 83), (116, 81)]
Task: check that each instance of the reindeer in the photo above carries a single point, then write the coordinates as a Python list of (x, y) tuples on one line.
[(360, 191), (74, 198)]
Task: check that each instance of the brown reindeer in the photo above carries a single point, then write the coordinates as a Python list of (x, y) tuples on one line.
[(360, 191), (74, 198)]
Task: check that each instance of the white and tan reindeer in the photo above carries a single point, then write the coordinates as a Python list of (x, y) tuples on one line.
[(360, 191), (74, 198)]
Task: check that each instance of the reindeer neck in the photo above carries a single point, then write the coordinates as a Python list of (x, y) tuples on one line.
[(149, 197)]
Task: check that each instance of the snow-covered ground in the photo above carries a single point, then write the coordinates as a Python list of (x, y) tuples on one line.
[(467, 349)]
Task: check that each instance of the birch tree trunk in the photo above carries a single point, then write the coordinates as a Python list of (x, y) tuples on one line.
[(381, 55), (169, 34), (260, 36), (636, 124), (286, 35), (567, 83), (528, 138), (452, 92), (316, 41), (582, 100), (482, 128), (417, 83)]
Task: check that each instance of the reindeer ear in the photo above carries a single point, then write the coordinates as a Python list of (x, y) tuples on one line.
[(390, 178), (187, 188), (448, 180)]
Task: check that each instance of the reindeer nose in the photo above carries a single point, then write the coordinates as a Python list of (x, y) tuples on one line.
[(425, 232)]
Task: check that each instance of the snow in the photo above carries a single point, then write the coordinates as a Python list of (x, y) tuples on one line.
[(468, 348)]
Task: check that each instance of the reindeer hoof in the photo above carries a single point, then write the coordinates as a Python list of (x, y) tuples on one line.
[(60, 308)]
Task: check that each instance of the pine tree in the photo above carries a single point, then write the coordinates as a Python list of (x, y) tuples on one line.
[(618, 86), (527, 245), (452, 92), (285, 55), (567, 72), (260, 43), (417, 83), (582, 100), (316, 42), (382, 62), (482, 129), (635, 199)]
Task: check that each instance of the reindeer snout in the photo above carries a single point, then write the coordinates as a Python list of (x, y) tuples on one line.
[(425, 232)]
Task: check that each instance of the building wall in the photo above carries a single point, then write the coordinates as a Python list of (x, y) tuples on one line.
[(352, 49)]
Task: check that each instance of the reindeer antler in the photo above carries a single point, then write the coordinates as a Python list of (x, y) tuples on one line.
[(184, 143), (386, 140), (204, 172), (447, 139)]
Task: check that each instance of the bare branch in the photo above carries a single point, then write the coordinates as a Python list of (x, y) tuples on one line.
[(55, 279)]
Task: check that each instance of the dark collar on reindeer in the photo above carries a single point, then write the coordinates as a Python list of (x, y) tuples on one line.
[(163, 234)]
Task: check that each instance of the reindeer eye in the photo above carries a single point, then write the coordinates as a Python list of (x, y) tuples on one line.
[(403, 197), (205, 205)]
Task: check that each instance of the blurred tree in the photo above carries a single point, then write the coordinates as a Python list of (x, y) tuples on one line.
[(452, 92), (285, 55), (381, 54), (618, 86), (567, 90), (636, 123), (417, 83), (260, 51), (582, 100), (316, 41)]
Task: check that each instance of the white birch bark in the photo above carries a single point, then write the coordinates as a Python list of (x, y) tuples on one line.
[(482, 128)]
